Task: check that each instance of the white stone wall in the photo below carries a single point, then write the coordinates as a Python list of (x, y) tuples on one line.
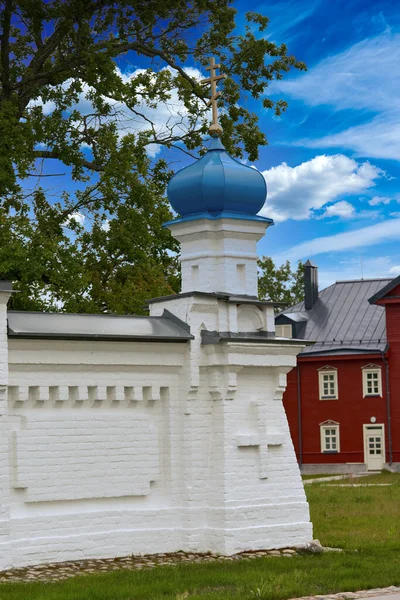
[(94, 449), (5, 559), (219, 255), (113, 448), (254, 495)]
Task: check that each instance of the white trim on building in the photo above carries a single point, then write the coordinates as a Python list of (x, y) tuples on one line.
[(374, 446), (330, 437), (372, 380), (328, 383)]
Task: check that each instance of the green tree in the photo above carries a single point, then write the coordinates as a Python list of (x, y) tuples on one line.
[(280, 284), (72, 100)]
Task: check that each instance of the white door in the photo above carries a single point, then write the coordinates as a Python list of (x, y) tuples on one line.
[(374, 447)]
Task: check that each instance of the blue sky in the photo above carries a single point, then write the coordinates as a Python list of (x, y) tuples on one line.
[(332, 165)]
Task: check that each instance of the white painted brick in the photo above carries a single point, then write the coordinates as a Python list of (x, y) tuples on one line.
[(219, 255), (123, 448)]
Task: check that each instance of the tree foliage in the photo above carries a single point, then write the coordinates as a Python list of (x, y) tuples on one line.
[(72, 99), (280, 284)]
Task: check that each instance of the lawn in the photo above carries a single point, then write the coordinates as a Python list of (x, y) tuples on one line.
[(319, 475), (364, 521), (384, 477)]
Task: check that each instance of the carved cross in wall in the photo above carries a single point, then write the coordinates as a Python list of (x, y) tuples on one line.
[(213, 80), (266, 436)]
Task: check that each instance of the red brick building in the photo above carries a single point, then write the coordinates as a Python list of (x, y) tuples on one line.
[(343, 399)]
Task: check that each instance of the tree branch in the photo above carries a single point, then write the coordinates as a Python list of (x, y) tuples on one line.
[(42, 55), (92, 166), (45, 174), (47, 49), (85, 199), (150, 52), (5, 48)]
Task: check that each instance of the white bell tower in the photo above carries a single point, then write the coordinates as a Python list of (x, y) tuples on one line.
[(219, 255), (242, 484)]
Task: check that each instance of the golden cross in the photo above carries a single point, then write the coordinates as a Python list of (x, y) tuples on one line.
[(212, 80)]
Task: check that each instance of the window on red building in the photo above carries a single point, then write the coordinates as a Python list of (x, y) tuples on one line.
[(330, 439), (372, 381), (328, 384)]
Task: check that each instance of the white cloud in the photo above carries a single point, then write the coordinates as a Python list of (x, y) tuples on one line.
[(365, 77), (286, 16), (376, 200), (369, 214), (77, 216), (395, 270), (294, 192), (169, 116), (379, 138), (341, 209), (385, 231)]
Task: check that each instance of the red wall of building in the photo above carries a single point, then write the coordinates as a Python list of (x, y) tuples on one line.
[(351, 410), (393, 336)]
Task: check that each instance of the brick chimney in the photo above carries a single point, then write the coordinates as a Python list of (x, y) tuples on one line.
[(310, 285)]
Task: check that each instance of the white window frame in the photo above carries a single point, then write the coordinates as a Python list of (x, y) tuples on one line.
[(371, 369), (328, 371), (329, 426), (284, 331)]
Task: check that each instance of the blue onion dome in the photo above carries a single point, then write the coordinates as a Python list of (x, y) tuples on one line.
[(217, 185)]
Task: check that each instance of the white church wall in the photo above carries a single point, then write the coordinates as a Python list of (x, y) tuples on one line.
[(262, 485), (125, 447), (114, 448), (95, 447), (255, 493)]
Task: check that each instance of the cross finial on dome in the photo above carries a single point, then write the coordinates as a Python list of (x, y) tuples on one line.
[(215, 129)]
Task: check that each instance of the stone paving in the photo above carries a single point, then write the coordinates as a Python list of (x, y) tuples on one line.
[(375, 594), (53, 572), (317, 479), (64, 570), (358, 484)]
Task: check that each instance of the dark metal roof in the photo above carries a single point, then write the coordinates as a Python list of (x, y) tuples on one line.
[(342, 321), (67, 326), (6, 286), (236, 299), (215, 337), (385, 290), (297, 317)]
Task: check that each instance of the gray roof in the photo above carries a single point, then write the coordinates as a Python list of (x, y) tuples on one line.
[(342, 321), (5, 285), (38, 325), (229, 298), (385, 290), (215, 337), (296, 317)]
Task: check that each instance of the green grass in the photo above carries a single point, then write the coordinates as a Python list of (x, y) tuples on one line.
[(317, 476), (383, 477), (363, 521)]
